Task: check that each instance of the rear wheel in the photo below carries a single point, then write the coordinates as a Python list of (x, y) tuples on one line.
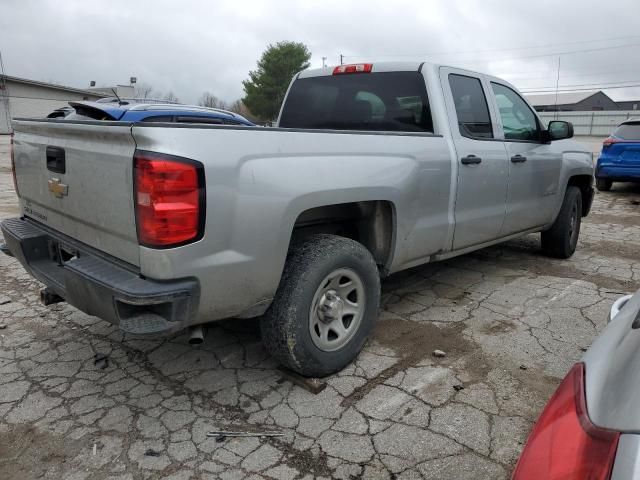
[(603, 184), (325, 307), (561, 239)]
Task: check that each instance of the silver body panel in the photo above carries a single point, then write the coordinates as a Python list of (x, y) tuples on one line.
[(257, 189), (612, 384), (613, 373), (627, 462), (259, 180)]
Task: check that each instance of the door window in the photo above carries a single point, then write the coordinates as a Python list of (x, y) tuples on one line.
[(472, 110), (199, 119), (518, 120)]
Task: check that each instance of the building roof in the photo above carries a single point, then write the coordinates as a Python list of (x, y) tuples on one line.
[(8, 78), (564, 98)]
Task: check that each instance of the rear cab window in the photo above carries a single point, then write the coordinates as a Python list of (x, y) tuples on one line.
[(383, 101)]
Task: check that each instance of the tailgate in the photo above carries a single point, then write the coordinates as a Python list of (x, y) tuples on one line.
[(77, 179)]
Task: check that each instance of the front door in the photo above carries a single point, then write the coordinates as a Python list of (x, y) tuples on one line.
[(534, 166), (481, 160)]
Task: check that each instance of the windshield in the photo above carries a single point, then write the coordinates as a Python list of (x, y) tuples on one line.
[(385, 101)]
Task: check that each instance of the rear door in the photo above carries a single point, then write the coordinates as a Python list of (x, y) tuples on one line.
[(77, 179), (481, 159), (534, 166)]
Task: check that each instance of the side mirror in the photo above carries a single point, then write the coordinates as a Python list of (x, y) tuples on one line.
[(559, 130)]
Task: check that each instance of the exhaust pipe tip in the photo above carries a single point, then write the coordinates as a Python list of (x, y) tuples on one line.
[(196, 337)]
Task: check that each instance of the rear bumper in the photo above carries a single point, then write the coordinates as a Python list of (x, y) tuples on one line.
[(101, 285), (618, 172)]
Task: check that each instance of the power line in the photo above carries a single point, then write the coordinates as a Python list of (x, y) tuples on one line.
[(592, 85), (470, 52), (579, 73), (554, 54), (540, 46), (613, 47), (563, 76), (494, 50), (540, 55), (580, 89)]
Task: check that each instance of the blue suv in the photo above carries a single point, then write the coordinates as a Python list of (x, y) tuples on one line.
[(125, 111), (620, 157)]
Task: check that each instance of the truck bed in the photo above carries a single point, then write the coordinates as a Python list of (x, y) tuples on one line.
[(254, 177)]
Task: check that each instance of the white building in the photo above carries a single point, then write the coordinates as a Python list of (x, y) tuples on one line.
[(20, 97)]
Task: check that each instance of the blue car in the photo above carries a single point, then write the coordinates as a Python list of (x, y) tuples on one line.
[(620, 157), (125, 111)]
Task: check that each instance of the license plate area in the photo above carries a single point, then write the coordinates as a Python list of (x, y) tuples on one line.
[(631, 154), (61, 253)]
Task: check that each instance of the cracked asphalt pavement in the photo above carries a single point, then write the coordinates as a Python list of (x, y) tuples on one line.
[(510, 320)]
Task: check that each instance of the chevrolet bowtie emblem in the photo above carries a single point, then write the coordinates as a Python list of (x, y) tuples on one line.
[(58, 189)]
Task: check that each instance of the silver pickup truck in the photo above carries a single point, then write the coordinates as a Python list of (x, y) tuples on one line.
[(372, 169)]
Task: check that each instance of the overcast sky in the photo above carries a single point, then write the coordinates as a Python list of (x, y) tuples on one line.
[(189, 46)]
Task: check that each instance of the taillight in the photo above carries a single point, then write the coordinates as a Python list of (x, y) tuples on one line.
[(564, 444), (13, 166), (354, 68), (608, 142), (169, 199)]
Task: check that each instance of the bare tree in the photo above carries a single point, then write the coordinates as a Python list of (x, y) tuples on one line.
[(143, 91), (237, 107), (210, 100), (171, 97), (240, 108)]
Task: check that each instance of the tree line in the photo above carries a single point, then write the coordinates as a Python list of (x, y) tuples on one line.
[(264, 90)]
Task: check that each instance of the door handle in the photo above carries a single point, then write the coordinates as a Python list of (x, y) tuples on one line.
[(518, 159), (470, 160)]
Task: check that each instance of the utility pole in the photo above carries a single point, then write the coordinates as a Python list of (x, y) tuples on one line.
[(324, 62), (4, 95), (341, 58), (557, 86)]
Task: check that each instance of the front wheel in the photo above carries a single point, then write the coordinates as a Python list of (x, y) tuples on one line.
[(325, 307), (561, 239), (603, 184)]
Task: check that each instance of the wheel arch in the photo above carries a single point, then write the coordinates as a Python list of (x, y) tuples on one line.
[(585, 183), (370, 222)]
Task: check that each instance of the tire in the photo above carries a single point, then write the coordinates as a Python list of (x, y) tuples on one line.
[(603, 184), (561, 239), (301, 328)]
